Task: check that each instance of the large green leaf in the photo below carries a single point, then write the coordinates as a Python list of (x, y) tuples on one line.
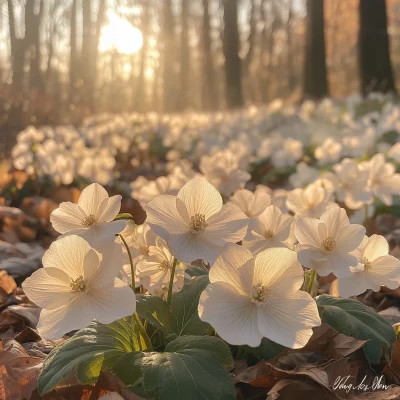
[(88, 352), (353, 318), (184, 306), (156, 311), (190, 368), (265, 351)]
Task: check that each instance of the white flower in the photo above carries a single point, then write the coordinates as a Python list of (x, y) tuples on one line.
[(223, 171), (92, 218), (329, 151), (77, 285), (270, 229), (375, 268), (157, 267), (304, 175), (394, 152), (325, 244), (251, 298), (252, 204), (292, 151), (383, 181), (195, 224), (351, 184), (312, 201)]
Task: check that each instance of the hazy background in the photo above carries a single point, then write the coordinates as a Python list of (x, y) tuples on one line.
[(62, 60)]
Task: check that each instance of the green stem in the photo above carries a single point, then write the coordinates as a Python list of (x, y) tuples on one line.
[(171, 281), (143, 332), (310, 284), (130, 261)]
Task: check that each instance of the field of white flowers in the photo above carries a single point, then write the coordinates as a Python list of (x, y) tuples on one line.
[(266, 266)]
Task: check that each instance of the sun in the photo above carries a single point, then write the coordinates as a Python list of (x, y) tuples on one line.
[(120, 35)]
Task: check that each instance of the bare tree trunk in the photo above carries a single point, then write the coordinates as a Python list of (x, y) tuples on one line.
[(315, 80), (17, 50), (86, 58), (139, 100), (289, 32), (185, 57), (95, 45), (32, 39), (251, 37), (376, 72), (234, 97), (73, 58), (169, 57), (210, 96)]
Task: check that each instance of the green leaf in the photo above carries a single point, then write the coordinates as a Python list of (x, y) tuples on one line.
[(212, 343), (190, 368), (156, 311), (88, 352), (353, 318), (184, 306)]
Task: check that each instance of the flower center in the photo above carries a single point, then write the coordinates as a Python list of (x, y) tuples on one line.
[(367, 264), (144, 250), (164, 266), (329, 244), (198, 222), (259, 295), (78, 285), (89, 220), (268, 234)]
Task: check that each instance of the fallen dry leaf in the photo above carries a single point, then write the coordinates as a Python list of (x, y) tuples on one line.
[(18, 371)]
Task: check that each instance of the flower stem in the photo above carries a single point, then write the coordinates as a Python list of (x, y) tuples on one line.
[(130, 260), (310, 283), (366, 215), (143, 332), (171, 281)]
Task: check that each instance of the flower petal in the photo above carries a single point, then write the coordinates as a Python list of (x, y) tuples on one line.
[(164, 218), (350, 237), (278, 270), (376, 247), (53, 324), (110, 208), (235, 267), (67, 254), (66, 217), (335, 219), (48, 288), (232, 315), (200, 197), (110, 303), (229, 225), (306, 231), (353, 285), (91, 199), (285, 315)]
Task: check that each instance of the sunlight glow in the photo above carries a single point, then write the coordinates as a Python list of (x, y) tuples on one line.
[(120, 35)]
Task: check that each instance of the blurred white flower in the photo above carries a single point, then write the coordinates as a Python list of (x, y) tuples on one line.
[(328, 152), (383, 181), (77, 285), (351, 184), (157, 268), (312, 201), (270, 229), (325, 243), (251, 203), (288, 156), (304, 175), (375, 268), (93, 216), (195, 224), (223, 171), (251, 298), (394, 152)]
